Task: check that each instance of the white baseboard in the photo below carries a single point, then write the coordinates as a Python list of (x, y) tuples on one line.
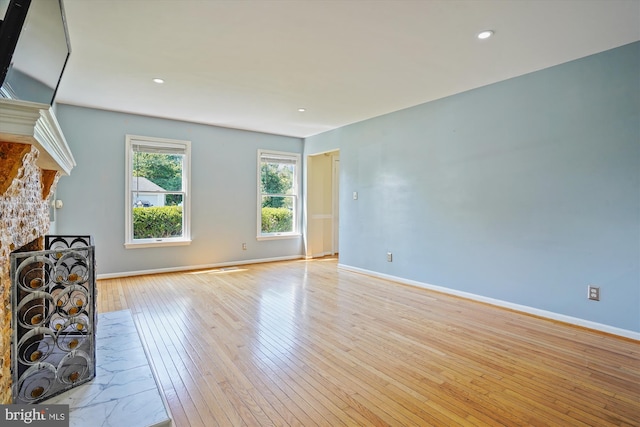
[(194, 267), (320, 255), (500, 303)]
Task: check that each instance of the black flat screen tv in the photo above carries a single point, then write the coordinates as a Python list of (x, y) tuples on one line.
[(34, 49)]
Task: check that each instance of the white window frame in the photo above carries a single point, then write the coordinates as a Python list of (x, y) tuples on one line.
[(185, 239), (296, 195)]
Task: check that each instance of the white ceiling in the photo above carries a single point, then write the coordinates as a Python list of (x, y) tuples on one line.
[(250, 64)]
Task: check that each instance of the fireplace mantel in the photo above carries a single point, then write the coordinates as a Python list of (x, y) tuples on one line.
[(35, 124)]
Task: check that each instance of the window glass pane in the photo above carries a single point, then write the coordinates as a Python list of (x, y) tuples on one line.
[(158, 221), (277, 214), (156, 171), (277, 178), (140, 199)]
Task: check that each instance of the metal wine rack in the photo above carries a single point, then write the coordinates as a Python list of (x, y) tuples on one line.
[(53, 318)]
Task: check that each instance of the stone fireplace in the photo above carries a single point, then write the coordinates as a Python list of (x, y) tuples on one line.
[(33, 156)]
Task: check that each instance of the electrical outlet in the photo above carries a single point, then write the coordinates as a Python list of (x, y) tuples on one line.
[(389, 257), (593, 293), (244, 246)]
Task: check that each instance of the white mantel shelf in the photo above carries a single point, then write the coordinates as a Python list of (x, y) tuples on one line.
[(35, 124)]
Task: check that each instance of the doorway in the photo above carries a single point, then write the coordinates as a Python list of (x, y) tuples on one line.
[(323, 189)]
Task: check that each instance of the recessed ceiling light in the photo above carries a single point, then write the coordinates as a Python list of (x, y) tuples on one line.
[(302, 110), (159, 81), (485, 34)]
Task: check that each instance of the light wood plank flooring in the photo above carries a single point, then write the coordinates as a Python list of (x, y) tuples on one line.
[(303, 343)]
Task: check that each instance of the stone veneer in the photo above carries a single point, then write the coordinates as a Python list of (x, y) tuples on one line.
[(24, 218)]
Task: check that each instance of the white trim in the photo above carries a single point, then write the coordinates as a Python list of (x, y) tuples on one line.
[(35, 124), (195, 267), (155, 244), (279, 236), (320, 255), (500, 303), (335, 203)]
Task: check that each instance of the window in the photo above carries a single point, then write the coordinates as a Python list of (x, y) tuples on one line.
[(157, 192), (278, 201)]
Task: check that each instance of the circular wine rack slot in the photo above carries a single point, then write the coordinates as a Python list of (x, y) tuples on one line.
[(36, 382), (35, 309), (73, 367)]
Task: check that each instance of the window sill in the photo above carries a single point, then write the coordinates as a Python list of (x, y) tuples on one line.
[(278, 236), (156, 244)]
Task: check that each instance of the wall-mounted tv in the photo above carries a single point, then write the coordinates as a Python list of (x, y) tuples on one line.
[(34, 49)]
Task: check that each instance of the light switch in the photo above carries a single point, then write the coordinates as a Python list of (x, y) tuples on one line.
[(355, 195)]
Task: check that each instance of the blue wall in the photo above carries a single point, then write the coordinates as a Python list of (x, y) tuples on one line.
[(223, 186), (524, 191)]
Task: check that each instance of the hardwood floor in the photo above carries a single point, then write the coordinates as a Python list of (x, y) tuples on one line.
[(303, 343)]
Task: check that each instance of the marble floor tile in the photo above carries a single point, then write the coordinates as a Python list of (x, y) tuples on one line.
[(124, 391)]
